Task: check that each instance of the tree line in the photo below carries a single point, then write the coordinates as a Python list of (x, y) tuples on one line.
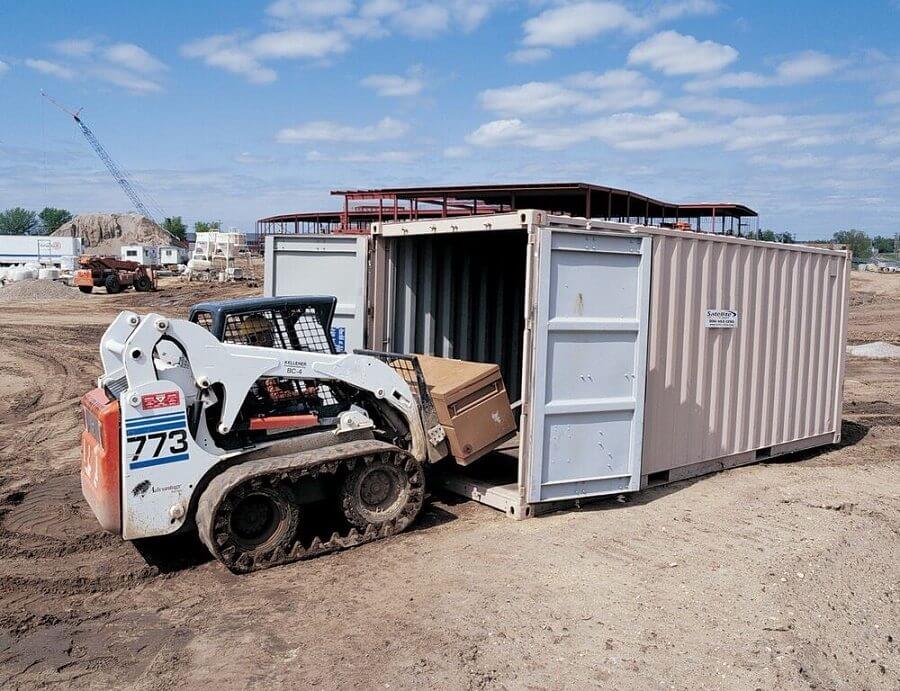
[(19, 221), (862, 246)]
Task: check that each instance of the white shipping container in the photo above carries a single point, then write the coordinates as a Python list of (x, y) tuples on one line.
[(62, 253), (640, 355)]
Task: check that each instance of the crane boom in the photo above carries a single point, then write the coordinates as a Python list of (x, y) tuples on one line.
[(114, 169)]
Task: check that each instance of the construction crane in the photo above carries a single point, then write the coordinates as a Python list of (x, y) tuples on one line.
[(114, 169)]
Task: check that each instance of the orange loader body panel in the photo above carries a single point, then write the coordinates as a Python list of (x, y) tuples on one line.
[(101, 477), (83, 277)]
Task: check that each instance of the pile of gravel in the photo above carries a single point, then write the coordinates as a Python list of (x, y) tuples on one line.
[(106, 233), (877, 349), (37, 290)]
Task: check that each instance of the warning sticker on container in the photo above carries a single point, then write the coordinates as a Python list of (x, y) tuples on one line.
[(721, 319)]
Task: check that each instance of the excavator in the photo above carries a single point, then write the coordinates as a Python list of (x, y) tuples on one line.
[(243, 423)]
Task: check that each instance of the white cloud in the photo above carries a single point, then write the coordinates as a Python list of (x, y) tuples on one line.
[(320, 29), (360, 157), (665, 130), (133, 57), (806, 67), (125, 65), (795, 162), (327, 131), (611, 79), (456, 152), (51, 68), (714, 105), (224, 52), (422, 21), (127, 80), (297, 44), (526, 56), (676, 10), (674, 54), (569, 25), (798, 69), (585, 92), (525, 99), (74, 47), (4, 68), (394, 84), (889, 98), (249, 158), (293, 9)]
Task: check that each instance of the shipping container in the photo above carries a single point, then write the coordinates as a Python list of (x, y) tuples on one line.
[(333, 265), (635, 355), (41, 249)]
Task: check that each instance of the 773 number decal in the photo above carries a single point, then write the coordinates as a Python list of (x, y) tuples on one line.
[(156, 444)]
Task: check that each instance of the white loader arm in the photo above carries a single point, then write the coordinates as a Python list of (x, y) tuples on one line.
[(128, 349)]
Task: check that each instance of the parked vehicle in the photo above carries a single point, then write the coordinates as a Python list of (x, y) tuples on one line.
[(113, 274)]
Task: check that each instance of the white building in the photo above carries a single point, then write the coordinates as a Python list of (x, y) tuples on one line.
[(41, 249), (172, 254), (149, 256)]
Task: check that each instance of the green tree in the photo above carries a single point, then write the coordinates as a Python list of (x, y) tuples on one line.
[(17, 221), (856, 241), (883, 244), (767, 235), (51, 219), (175, 226), (205, 226), (787, 238)]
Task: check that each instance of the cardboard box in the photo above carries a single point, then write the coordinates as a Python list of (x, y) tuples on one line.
[(471, 404)]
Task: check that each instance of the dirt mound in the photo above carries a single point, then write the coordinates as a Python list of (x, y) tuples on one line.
[(106, 233), (37, 290)]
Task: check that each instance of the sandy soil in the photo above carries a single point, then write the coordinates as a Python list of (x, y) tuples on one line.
[(777, 574)]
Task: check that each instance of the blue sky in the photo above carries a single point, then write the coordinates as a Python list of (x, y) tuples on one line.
[(235, 110)]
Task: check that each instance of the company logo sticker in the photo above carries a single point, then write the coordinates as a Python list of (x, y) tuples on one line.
[(167, 399)]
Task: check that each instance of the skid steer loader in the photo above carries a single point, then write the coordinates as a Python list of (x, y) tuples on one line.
[(243, 423)]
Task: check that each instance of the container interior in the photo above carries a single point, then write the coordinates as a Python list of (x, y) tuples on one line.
[(460, 295)]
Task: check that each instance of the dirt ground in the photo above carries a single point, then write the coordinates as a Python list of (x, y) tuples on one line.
[(777, 574)]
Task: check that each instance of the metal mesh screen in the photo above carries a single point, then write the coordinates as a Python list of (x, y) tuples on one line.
[(204, 319), (310, 335), (292, 329), (264, 329), (407, 366)]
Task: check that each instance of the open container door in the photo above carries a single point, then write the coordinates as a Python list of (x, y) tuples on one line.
[(323, 265), (585, 400)]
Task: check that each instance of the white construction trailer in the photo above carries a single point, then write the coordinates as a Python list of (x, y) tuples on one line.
[(637, 355), (143, 254), (172, 254), (62, 253)]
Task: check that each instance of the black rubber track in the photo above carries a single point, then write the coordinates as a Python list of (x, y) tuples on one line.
[(212, 524)]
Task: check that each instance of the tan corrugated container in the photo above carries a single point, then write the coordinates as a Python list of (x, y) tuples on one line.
[(471, 404), (731, 350), (771, 385)]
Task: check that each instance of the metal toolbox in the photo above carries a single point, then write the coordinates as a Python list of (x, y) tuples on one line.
[(471, 404)]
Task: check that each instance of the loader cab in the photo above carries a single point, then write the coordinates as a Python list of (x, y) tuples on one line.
[(289, 323)]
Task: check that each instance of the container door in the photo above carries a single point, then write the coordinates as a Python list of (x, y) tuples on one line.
[(323, 265), (589, 350)]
